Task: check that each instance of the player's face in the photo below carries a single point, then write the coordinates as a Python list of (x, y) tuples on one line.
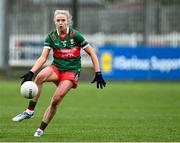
[(61, 22)]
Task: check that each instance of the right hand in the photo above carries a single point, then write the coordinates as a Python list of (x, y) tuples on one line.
[(27, 77)]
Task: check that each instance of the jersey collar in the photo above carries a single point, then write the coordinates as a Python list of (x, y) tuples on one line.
[(67, 31)]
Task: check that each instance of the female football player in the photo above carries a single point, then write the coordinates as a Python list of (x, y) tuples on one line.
[(66, 43)]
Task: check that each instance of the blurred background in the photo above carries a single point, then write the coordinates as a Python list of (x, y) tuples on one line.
[(134, 39)]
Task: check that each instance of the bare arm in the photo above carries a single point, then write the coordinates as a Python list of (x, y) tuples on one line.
[(41, 60), (90, 51), (39, 63), (98, 76)]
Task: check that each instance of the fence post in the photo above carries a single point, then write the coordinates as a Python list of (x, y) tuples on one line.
[(4, 36), (75, 13)]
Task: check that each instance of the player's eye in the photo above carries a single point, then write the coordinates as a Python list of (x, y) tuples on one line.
[(62, 20)]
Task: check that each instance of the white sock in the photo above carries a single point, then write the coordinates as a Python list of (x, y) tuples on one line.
[(40, 130), (30, 112)]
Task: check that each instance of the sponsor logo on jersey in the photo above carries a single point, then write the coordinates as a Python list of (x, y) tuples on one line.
[(67, 53)]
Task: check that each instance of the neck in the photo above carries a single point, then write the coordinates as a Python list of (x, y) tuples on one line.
[(62, 31)]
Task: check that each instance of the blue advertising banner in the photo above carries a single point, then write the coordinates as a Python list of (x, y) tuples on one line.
[(142, 63)]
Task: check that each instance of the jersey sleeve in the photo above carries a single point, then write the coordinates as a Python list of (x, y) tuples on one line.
[(80, 40), (47, 42)]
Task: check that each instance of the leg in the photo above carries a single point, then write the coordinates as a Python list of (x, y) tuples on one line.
[(47, 74), (62, 89)]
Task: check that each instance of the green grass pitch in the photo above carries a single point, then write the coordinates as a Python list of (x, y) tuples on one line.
[(122, 112)]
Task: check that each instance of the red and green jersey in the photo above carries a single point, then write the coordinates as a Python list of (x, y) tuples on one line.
[(66, 49)]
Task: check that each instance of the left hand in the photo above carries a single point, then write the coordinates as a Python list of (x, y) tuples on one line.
[(99, 79)]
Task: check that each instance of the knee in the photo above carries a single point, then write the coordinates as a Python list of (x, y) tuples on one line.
[(40, 78), (56, 101)]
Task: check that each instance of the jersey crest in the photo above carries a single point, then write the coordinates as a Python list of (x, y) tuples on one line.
[(72, 34), (71, 41)]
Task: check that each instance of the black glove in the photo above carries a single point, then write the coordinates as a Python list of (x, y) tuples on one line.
[(99, 79), (27, 77)]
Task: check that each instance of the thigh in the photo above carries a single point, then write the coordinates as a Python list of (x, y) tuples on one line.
[(47, 74), (62, 88)]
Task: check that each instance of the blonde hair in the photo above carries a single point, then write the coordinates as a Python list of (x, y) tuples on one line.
[(65, 12)]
